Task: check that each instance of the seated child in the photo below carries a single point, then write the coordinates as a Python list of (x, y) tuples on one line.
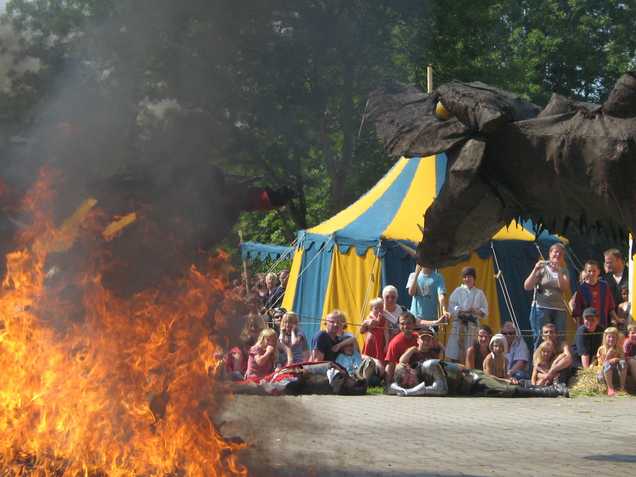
[(542, 361), (262, 356), (629, 348), (236, 358), (624, 311), (496, 364), (610, 355), (349, 358), (376, 327), (292, 336)]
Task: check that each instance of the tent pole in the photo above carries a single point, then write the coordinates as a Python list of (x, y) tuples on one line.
[(247, 285)]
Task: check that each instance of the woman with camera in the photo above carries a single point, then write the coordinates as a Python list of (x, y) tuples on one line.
[(549, 280)]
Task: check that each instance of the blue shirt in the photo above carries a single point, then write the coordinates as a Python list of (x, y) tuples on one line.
[(425, 303), (350, 362)]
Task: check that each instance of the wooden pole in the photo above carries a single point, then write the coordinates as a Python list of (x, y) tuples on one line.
[(247, 285), (429, 79)]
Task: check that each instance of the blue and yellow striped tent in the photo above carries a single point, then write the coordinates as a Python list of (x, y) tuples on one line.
[(347, 260)]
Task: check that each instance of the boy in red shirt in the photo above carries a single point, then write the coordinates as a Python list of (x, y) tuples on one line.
[(594, 293), (399, 344)]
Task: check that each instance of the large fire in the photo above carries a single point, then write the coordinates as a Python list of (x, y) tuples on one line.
[(92, 384)]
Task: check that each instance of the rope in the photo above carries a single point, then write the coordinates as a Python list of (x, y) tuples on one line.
[(301, 273), (501, 281), (282, 257)]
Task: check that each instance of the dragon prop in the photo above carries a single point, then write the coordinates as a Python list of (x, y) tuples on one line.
[(570, 164)]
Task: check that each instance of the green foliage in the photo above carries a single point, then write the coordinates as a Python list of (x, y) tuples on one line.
[(280, 87)]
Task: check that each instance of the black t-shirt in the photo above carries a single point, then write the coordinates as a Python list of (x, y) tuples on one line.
[(323, 343), (587, 342)]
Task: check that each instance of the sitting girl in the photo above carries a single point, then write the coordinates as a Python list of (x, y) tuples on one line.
[(262, 356), (496, 363), (542, 361), (236, 358), (476, 354), (610, 355), (292, 336), (376, 328)]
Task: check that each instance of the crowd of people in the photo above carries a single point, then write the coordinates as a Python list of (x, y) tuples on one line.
[(402, 350)]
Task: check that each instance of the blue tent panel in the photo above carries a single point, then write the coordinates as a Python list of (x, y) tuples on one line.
[(262, 251), (397, 265), (312, 285)]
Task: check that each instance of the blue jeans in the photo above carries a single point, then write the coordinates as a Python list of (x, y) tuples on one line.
[(541, 316)]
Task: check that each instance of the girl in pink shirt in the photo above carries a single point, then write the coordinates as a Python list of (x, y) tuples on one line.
[(262, 355)]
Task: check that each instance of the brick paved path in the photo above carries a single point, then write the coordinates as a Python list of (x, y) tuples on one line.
[(388, 435)]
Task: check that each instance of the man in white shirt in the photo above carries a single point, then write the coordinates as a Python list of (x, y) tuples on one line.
[(518, 355)]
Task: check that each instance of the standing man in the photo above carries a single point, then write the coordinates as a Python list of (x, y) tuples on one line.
[(616, 274), (428, 291)]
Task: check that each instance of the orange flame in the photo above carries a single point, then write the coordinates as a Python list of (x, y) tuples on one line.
[(96, 385)]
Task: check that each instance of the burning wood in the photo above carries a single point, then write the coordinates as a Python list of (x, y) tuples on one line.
[(116, 226), (126, 388)]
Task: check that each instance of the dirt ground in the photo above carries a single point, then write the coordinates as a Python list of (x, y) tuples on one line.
[(420, 436)]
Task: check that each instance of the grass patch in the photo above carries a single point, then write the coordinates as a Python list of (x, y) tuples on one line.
[(375, 390)]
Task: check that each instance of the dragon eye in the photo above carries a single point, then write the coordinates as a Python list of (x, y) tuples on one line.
[(440, 112)]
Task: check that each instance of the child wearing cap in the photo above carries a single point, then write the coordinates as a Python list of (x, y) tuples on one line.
[(589, 337), (496, 363)]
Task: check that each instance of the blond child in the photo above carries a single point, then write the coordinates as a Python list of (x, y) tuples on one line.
[(292, 336), (610, 355), (376, 327), (262, 356), (496, 363), (542, 361)]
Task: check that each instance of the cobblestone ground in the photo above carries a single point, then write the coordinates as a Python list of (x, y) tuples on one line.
[(419, 436)]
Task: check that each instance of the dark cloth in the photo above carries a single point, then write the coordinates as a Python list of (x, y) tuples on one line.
[(490, 134), (323, 343), (274, 298), (629, 348), (615, 288), (586, 342), (479, 358)]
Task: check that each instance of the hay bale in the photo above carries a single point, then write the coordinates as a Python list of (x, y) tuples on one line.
[(586, 383)]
